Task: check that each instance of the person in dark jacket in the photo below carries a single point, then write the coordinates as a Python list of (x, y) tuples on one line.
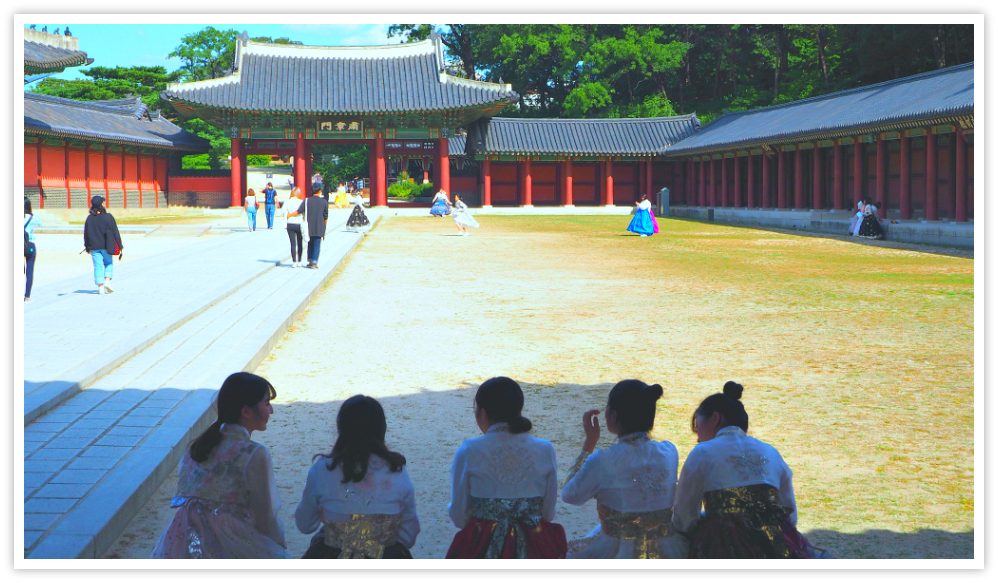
[(316, 211), (102, 240)]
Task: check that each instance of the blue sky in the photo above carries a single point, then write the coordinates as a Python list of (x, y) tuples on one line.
[(128, 45)]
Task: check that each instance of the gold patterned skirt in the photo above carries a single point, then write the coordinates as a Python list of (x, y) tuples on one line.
[(364, 536), (630, 535)]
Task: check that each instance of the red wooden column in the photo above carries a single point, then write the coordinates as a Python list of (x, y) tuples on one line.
[(737, 190), (931, 177), (444, 163), (86, 167), (750, 180), (767, 195), (107, 186), (702, 184), (880, 200), (426, 166), (857, 172), (713, 182), (380, 198), (642, 189), (301, 179), (155, 182), (816, 179), (235, 169), (609, 183), (781, 179), (486, 182), (725, 196), (65, 164), (837, 202), (528, 184), (691, 182), (138, 172), (566, 191), (652, 193), (961, 175), (905, 175), (799, 177)]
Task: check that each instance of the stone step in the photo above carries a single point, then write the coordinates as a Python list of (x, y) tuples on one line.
[(93, 461)]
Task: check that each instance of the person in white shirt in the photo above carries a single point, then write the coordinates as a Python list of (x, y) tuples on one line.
[(249, 203), (360, 492), (742, 483), (293, 225), (504, 484), (633, 481), (643, 222), (856, 219)]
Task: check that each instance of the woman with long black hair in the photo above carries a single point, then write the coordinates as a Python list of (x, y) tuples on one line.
[(360, 492), (226, 498), (102, 240)]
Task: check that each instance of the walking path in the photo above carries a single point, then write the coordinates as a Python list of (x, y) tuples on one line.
[(116, 385)]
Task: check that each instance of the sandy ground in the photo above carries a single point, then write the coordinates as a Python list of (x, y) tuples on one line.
[(418, 317)]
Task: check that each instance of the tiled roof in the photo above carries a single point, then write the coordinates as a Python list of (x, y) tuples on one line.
[(39, 57), (311, 79), (934, 95), (123, 121), (627, 136)]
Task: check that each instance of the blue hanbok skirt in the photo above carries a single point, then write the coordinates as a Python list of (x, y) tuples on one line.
[(642, 223), (440, 208)]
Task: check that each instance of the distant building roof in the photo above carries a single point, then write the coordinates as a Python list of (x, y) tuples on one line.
[(899, 103), (315, 79), (122, 121), (45, 52), (627, 136)]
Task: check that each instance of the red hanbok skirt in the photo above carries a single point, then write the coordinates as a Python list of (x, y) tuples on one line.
[(545, 541)]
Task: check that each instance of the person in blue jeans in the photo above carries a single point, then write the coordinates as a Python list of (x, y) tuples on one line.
[(30, 222), (250, 204), (315, 210), (102, 240), (269, 203)]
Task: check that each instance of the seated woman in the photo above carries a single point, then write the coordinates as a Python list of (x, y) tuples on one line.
[(226, 498), (633, 481), (743, 485), (856, 218), (360, 492), (504, 484), (870, 227)]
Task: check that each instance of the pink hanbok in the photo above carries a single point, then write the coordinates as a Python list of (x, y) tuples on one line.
[(654, 223), (226, 506)]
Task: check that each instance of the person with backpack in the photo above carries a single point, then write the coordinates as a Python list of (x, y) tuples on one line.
[(102, 240), (30, 250)]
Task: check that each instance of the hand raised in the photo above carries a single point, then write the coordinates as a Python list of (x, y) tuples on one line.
[(590, 424)]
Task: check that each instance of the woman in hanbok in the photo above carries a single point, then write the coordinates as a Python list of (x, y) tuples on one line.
[(743, 485), (360, 493), (462, 217), (856, 219), (441, 205), (870, 227), (633, 481), (226, 498), (643, 222), (340, 201), (504, 484), (358, 219)]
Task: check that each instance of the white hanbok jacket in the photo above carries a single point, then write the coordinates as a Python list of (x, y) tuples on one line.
[(501, 464), (634, 475), (327, 499), (730, 460)]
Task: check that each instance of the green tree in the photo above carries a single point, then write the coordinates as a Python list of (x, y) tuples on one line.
[(338, 162), (105, 83), (221, 146), (458, 38), (206, 54)]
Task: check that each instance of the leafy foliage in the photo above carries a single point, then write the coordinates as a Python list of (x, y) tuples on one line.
[(257, 160), (206, 54), (340, 162), (105, 83)]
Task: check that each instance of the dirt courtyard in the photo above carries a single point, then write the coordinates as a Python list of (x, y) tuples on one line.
[(857, 362)]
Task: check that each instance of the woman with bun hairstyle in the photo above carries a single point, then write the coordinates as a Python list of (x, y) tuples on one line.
[(504, 484), (633, 481), (226, 498), (360, 492), (743, 485)]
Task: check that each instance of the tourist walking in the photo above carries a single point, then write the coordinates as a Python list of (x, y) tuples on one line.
[(358, 219), (250, 205), (462, 217), (293, 225), (30, 249), (870, 227), (441, 205), (504, 484), (269, 204), (360, 492), (226, 500), (633, 481), (340, 201), (315, 213), (643, 222), (102, 240), (743, 485)]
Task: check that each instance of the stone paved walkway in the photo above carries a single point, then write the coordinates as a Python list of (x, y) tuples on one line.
[(116, 385)]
